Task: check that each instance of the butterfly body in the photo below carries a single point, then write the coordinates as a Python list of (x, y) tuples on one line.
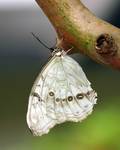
[(60, 93)]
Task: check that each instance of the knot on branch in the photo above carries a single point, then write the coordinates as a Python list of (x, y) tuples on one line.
[(105, 45)]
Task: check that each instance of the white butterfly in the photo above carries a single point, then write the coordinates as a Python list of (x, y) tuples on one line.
[(60, 93)]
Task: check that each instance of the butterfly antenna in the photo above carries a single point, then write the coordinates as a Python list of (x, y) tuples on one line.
[(69, 50), (37, 38)]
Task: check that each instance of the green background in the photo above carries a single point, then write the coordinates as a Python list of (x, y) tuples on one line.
[(21, 59), (100, 131)]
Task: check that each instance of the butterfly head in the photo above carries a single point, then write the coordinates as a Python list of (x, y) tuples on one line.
[(57, 51)]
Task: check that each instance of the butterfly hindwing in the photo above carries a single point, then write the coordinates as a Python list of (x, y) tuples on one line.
[(60, 93)]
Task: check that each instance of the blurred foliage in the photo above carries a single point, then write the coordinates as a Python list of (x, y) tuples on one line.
[(100, 131)]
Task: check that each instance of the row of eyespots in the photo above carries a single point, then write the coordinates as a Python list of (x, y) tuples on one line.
[(79, 96)]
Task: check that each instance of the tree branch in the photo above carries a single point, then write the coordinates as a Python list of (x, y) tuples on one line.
[(81, 29)]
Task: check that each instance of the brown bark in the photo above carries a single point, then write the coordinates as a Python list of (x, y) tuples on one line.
[(79, 28)]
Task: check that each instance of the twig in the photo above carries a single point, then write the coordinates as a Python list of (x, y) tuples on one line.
[(85, 32)]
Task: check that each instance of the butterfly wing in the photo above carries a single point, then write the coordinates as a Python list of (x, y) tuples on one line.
[(60, 93), (83, 96), (37, 119)]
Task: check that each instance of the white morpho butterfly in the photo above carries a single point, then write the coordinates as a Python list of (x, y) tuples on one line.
[(60, 93)]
